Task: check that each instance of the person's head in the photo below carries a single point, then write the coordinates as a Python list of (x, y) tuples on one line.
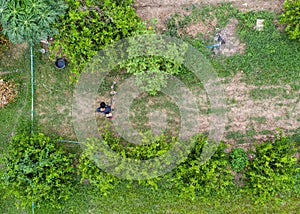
[(102, 105)]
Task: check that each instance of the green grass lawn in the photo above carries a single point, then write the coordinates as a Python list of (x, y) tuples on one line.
[(19, 109), (137, 199)]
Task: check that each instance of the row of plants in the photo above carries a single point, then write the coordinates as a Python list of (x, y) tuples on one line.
[(37, 168)]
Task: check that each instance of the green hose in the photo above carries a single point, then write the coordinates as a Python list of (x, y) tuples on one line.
[(32, 98), (32, 87)]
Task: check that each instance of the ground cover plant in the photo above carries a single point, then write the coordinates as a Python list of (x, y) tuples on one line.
[(191, 187)]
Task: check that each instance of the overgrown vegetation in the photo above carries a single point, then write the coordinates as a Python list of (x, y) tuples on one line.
[(271, 171), (89, 26), (152, 61), (273, 168), (35, 169), (195, 178), (291, 17)]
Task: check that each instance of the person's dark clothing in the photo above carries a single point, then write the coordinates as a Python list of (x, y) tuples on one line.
[(107, 110)]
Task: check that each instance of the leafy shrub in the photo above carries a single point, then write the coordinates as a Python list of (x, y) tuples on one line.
[(88, 26), (272, 170), (238, 159), (101, 181), (152, 60), (35, 169), (291, 17), (211, 177), (30, 20), (104, 181)]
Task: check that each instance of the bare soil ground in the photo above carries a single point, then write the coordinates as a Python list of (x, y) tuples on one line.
[(162, 9), (248, 118)]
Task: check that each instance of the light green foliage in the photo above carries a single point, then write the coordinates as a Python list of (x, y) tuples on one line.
[(152, 60), (213, 177), (30, 20), (89, 26), (272, 170), (190, 177), (35, 169), (101, 181), (238, 159), (291, 17), (153, 147)]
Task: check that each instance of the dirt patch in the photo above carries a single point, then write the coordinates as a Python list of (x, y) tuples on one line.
[(12, 53), (200, 27), (162, 9), (262, 117), (232, 43), (249, 119)]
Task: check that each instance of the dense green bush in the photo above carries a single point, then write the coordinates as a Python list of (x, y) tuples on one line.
[(103, 181), (192, 178), (36, 169), (88, 26), (272, 169), (238, 159), (152, 60), (30, 20), (90, 173), (212, 177), (291, 17)]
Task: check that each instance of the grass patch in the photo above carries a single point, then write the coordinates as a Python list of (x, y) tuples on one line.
[(137, 199), (19, 109), (53, 99), (259, 119), (267, 93)]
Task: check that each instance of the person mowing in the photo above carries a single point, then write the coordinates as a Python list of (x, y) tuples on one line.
[(105, 109)]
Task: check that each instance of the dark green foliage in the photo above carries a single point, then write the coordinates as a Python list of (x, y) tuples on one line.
[(238, 159), (193, 177), (35, 169), (272, 170), (291, 17), (30, 20), (89, 26)]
